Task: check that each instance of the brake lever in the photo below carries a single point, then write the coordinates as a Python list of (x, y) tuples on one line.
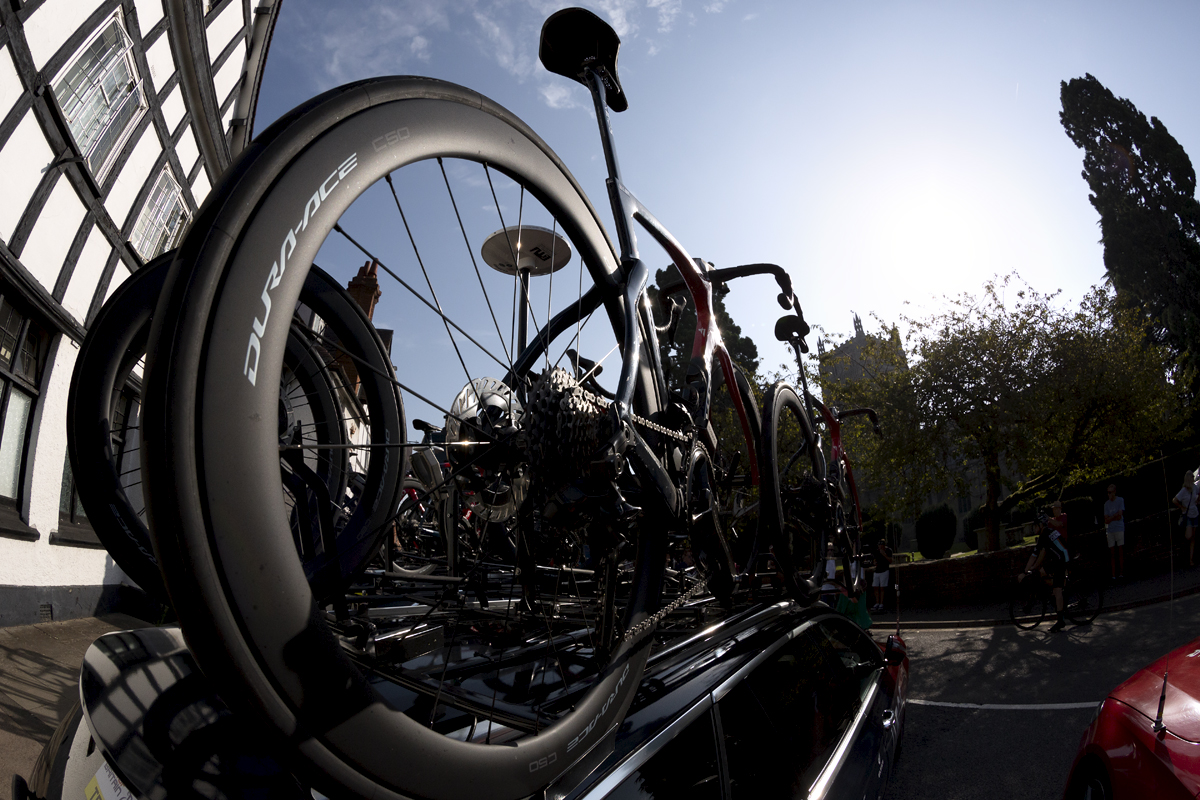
[(671, 327)]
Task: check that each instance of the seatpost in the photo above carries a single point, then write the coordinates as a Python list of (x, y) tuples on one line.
[(617, 198), (596, 84), (803, 377)]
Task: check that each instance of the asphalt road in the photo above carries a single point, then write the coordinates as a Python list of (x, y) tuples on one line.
[(972, 753), (39, 684)]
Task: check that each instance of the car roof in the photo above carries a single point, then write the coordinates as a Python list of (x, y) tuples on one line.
[(679, 685)]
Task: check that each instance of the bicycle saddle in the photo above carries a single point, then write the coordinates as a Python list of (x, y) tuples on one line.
[(425, 427), (790, 327), (575, 39)]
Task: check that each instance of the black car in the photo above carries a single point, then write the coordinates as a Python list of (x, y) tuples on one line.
[(776, 701)]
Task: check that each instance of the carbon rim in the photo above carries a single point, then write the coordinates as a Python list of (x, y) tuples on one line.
[(287, 662)]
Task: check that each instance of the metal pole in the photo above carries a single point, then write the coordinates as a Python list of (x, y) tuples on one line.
[(897, 560), (1170, 542)]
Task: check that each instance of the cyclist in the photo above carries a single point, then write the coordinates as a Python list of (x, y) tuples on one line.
[(1188, 501), (1049, 559)]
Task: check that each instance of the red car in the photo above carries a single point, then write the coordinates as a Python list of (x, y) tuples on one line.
[(1145, 740)]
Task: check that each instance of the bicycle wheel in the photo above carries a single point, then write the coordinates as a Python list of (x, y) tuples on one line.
[(494, 696), (794, 510), (1028, 602), (1082, 599), (103, 407), (103, 410)]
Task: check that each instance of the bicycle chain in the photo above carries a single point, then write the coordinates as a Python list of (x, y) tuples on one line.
[(649, 622), (640, 629), (645, 423)]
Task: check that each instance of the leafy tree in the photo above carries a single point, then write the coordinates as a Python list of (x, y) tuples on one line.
[(896, 475), (1009, 385), (1109, 399), (1143, 186)]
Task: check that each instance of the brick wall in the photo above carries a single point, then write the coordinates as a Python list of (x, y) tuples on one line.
[(985, 578)]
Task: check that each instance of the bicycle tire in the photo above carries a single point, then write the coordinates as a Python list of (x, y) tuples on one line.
[(793, 504), (1028, 603), (252, 622), (116, 342), (1083, 600)]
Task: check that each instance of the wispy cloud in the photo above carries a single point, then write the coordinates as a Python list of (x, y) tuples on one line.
[(618, 13), (668, 11), (338, 42), (558, 95)]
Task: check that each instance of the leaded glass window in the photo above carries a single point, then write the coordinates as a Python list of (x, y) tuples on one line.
[(101, 95), (23, 348), (162, 220)]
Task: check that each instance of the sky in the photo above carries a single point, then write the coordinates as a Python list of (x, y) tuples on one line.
[(887, 154)]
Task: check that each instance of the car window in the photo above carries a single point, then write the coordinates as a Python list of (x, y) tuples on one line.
[(685, 767), (853, 655), (781, 724)]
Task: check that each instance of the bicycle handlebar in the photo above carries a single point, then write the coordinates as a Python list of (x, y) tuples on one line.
[(786, 297), (870, 412)]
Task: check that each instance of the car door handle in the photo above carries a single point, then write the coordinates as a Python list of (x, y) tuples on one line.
[(889, 718)]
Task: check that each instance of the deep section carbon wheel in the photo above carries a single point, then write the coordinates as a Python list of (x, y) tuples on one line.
[(485, 678), (1029, 601), (795, 507), (104, 409), (1083, 598)]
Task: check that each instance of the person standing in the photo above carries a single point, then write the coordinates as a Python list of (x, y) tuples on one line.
[(883, 569), (829, 589), (1058, 520), (1186, 502), (1114, 519)]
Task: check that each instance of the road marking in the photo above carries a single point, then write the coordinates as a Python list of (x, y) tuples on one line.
[(1008, 706)]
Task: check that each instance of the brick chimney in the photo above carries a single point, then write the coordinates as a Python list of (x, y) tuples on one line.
[(364, 287)]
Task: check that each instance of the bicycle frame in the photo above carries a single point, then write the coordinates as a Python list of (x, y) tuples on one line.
[(841, 462), (707, 345)]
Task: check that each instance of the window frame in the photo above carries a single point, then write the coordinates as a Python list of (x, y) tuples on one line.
[(100, 169), (172, 197), (13, 378), (638, 758)]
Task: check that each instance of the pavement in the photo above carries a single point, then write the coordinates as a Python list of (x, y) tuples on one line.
[(39, 664), (39, 684), (1134, 592), (999, 712)]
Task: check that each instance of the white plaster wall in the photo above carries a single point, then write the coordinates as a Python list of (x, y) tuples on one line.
[(173, 109), (88, 270), (148, 12), (227, 77), (47, 246), (224, 28), (162, 65), (133, 176), (41, 563), (201, 187), (119, 276), (48, 28), (187, 150), (10, 83), (21, 162)]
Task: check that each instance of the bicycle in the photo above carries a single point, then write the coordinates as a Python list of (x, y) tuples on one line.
[(314, 409), (589, 483), (1032, 598)]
